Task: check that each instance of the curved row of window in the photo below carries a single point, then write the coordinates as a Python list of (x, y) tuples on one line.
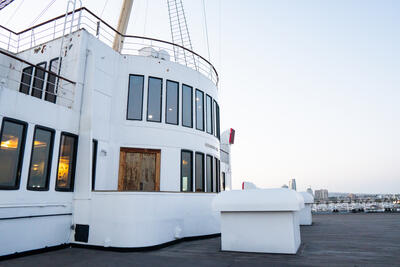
[(12, 147), (206, 175), (206, 108)]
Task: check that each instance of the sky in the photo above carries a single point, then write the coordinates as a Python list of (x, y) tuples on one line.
[(311, 87)]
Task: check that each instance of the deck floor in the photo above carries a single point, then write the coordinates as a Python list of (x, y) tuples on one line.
[(333, 240)]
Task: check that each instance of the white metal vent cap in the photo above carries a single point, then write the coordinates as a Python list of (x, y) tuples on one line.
[(277, 199)]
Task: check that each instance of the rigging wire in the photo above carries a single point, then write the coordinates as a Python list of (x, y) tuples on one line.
[(205, 23), (105, 4), (15, 11), (42, 13)]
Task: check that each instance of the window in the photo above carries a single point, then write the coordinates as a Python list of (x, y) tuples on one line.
[(210, 117), (217, 126), (38, 80), (186, 171), (154, 98), (135, 97), (26, 80), (12, 142), (171, 107), (199, 110), (209, 173), (51, 87), (66, 162), (217, 175), (199, 172), (187, 106), (40, 167), (223, 181), (94, 163)]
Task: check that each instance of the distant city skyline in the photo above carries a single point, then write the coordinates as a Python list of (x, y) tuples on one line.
[(311, 87)]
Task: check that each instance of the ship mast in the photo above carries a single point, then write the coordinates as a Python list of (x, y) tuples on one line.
[(122, 24)]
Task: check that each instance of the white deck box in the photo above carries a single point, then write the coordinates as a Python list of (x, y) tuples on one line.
[(305, 215), (260, 220)]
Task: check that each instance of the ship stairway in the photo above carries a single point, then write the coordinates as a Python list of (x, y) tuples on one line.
[(180, 33)]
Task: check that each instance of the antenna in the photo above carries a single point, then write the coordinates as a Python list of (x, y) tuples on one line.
[(180, 32)]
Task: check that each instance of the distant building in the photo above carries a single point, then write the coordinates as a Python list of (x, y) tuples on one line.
[(309, 190), (292, 184), (321, 194), (285, 186)]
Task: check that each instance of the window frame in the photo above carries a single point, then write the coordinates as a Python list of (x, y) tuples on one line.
[(217, 163), (17, 177), (161, 98), (212, 173), (95, 145), (217, 131), (166, 103), (211, 116), (127, 100), (47, 93), (191, 106), (21, 84), (50, 159), (195, 106), (37, 78), (203, 173), (191, 170), (73, 169)]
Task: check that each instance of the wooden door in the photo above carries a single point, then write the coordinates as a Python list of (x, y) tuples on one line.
[(139, 170)]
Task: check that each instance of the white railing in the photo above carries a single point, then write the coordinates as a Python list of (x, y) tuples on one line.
[(83, 18)]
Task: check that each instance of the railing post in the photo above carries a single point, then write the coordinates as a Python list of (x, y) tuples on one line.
[(54, 31), (9, 40), (18, 44), (79, 19)]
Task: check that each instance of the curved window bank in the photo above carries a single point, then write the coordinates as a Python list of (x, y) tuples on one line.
[(134, 161)]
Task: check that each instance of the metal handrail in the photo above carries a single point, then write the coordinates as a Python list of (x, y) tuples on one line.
[(124, 36)]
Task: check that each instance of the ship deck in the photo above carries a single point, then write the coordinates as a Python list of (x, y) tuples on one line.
[(333, 240)]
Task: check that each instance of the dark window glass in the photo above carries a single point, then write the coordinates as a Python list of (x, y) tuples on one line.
[(209, 173), (38, 80), (11, 153), (217, 175), (40, 167), (186, 171), (154, 98), (199, 110), (217, 129), (66, 162), (199, 172), (135, 97), (187, 106), (94, 163), (171, 108), (223, 181), (26, 80), (209, 112), (51, 87)]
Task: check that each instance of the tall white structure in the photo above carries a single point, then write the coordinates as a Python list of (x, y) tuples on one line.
[(292, 184)]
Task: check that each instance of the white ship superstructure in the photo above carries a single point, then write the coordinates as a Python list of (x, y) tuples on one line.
[(105, 148)]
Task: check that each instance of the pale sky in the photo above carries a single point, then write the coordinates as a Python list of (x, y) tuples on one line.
[(311, 87)]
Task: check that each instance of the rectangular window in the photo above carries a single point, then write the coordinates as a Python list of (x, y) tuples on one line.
[(209, 173), (209, 116), (154, 98), (186, 171), (94, 163), (187, 106), (66, 162), (40, 167), (135, 97), (171, 107), (199, 172), (51, 87), (26, 80), (223, 181), (217, 176), (199, 110), (217, 124), (12, 142), (38, 80)]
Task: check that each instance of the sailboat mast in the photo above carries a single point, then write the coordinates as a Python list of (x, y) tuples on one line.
[(122, 24)]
